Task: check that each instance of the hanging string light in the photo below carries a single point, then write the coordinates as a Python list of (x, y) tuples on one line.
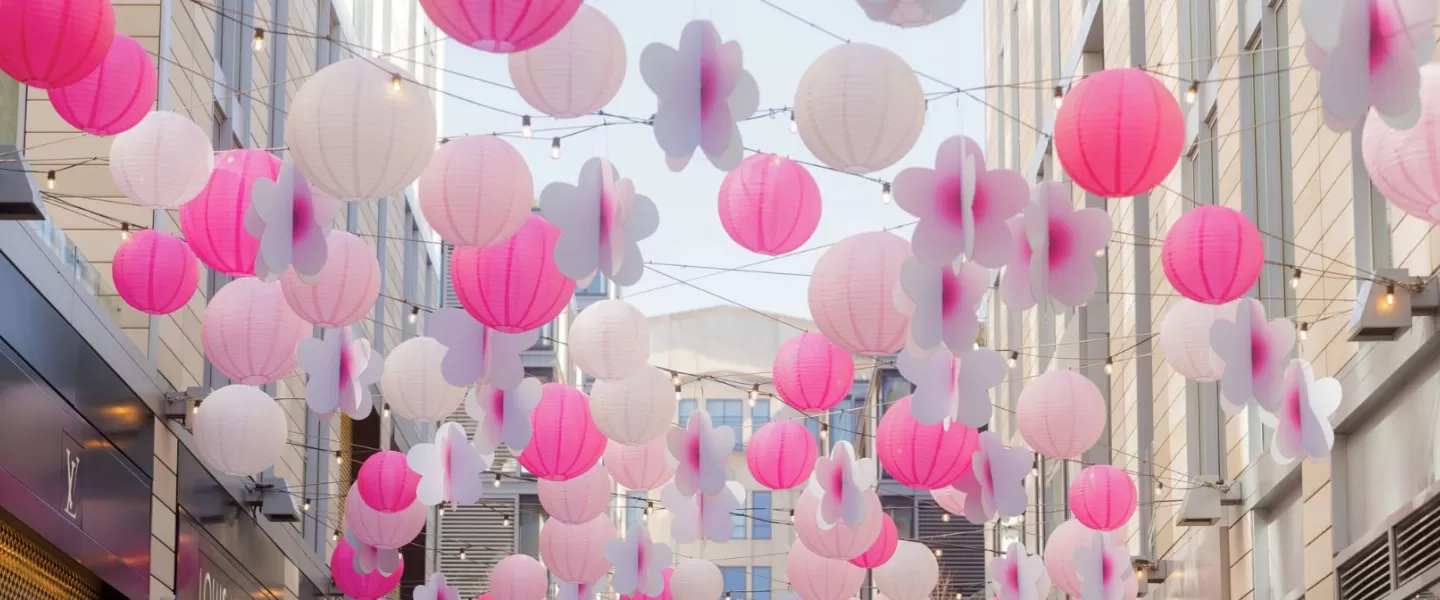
[(794, 127), (1059, 96), (555, 148), (677, 392), (50, 180), (1014, 356), (462, 554), (675, 378), (1109, 365), (124, 231), (1295, 280), (259, 43), (1390, 295), (885, 192), (395, 82), (335, 535), (1192, 92), (496, 483), (1304, 328), (525, 129), (339, 460), (754, 395), (414, 314), (305, 506)]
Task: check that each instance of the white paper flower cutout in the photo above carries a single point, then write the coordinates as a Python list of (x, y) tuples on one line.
[(1254, 354), (340, 367), (699, 451), (475, 353), (1104, 568), (290, 219), (962, 206), (503, 415), (570, 590), (369, 558), (995, 483), (703, 516), (840, 481), (946, 302), (639, 563), (1055, 248), (449, 468), (951, 386), (601, 221), (1302, 421), (437, 589), (1018, 575), (1368, 54), (703, 91)]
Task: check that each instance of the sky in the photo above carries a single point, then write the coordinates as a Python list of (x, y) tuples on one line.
[(777, 50)]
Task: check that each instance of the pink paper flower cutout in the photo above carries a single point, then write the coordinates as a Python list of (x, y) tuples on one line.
[(449, 468), (1104, 569), (369, 558), (1369, 53), (703, 91), (340, 367), (962, 207), (1302, 423), (840, 481), (569, 590), (1254, 353), (699, 451), (476, 353), (601, 221), (946, 302), (437, 589), (1019, 576), (951, 386), (503, 415), (639, 562), (703, 516), (1068, 239), (291, 221), (995, 483)]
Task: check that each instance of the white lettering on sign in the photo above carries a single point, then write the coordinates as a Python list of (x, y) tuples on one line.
[(213, 589), (72, 469)]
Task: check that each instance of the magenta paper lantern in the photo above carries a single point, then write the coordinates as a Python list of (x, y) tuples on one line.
[(369, 586), (1213, 254), (518, 577), (1060, 550), (113, 98), (852, 293), (641, 468), (50, 44), (924, 457), (476, 191), (249, 333), (156, 273), (1103, 497), (781, 455), (383, 530), (665, 595), (577, 500), (812, 374), (214, 222), (1119, 133), (841, 541), (501, 26), (1394, 157), (883, 548), (769, 204), (346, 288), (386, 482), (514, 286), (816, 577), (576, 553), (565, 442), (1061, 414)]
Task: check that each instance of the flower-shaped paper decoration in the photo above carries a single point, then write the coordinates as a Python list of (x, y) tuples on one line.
[(703, 92), (703, 516), (950, 386), (503, 415), (601, 221), (1302, 421), (947, 302), (437, 589), (476, 353), (995, 483), (449, 468), (639, 562), (962, 207), (699, 451), (290, 219), (341, 367), (1018, 575), (841, 480), (1069, 238), (1254, 353), (1104, 569), (1368, 53), (569, 590), (369, 558)]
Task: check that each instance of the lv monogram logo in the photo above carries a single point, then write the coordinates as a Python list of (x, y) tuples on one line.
[(72, 468)]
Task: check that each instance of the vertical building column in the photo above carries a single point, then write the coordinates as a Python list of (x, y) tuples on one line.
[(1144, 371), (163, 522)]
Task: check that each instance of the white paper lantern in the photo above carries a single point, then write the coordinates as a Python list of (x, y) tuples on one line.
[(576, 72), (413, 385), (577, 500), (911, 574), (610, 340), (1185, 338), (1061, 414), (634, 410), (162, 162), (477, 191), (910, 13), (361, 129), (859, 108), (696, 579), (240, 430)]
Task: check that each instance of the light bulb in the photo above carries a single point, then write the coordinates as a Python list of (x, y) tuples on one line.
[(1295, 279), (195, 408), (50, 180), (506, 521), (497, 480), (677, 392), (335, 535), (792, 515), (339, 460), (1014, 356), (945, 518), (754, 394), (727, 596), (675, 379), (462, 554), (305, 506), (442, 510), (1192, 92), (824, 431), (885, 192), (555, 148), (1100, 253), (1390, 294), (1059, 96), (794, 127), (1109, 365), (124, 231), (646, 516), (939, 553), (525, 129), (385, 412), (259, 43), (1304, 328), (395, 82), (414, 314)]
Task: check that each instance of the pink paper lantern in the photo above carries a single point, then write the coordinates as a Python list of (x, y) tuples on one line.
[(1213, 254), (852, 293), (1119, 133), (249, 333), (816, 577), (346, 288), (518, 577), (812, 374), (214, 222), (1394, 157), (565, 442), (841, 541), (1103, 497), (476, 191), (113, 98), (386, 482), (924, 457), (576, 553), (665, 595), (370, 586), (500, 25), (781, 455), (769, 204), (383, 530), (1061, 414), (883, 548), (577, 500), (949, 499), (640, 468), (1060, 550), (50, 44), (156, 273), (513, 286), (575, 73)]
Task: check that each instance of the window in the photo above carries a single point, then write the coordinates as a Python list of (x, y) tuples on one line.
[(737, 524), (635, 504), (760, 510), (734, 578), (759, 414), (532, 519), (901, 510), (1197, 35), (728, 412), (687, 406), (843, 419), (760, 583), (544, 374)]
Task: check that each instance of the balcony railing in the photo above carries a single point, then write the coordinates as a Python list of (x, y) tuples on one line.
[(77, 266)]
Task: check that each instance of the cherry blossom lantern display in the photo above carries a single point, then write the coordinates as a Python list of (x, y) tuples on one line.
[(812, 374), (576, 552), (781, 455), (346, 288), (413, 385), (856, 92), (910, 13), (841, 541), (250, 333), (214, 222), (1185, 339), (1119, 133), (1213, 254), (665, 595), (641, 468), (1381, 46), (564, 443), (852, 293), (911, 574), (575, 73), (1060, 550), (577, 500), (816, 577), (696, 579), (386, 482), (387, 531), (368, 586), (513, 286), (924, 457), (634, 410), (48, 44), (1394, 156), (1103, 497), (769, 204), (501, 26), (883, 548), (610, 340), (156, 273), (162, 162), (1061, 414), (518, 577), (477, 191), (114, 97), (239, 430)]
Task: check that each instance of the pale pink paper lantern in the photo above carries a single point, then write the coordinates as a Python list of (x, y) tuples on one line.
[(383, 530), (49, 44), (113, 98), (577, 500), (696, 579), (883, 548), (1061, 414), (781, 455), (816, 577), (812, 374), (518, 577), (156, 273), (1185, 339), (500, 25), (346, 288), (476, 191), (1401, 160), (1103, 497), (841, 541), (859, 108), (513, 286), (1119, 133), (910, 13), (369, 586), (610, 340), (1213, 254), (924, 457), (634, 410), (576, 72), (852, 293), (565, 442), (162, 162), (641, 468), (769, 204), (949, 499), (665, 595), (250, 333), (1060, 550), (576, 553), (386, 482), (909, 575), (214, 222)]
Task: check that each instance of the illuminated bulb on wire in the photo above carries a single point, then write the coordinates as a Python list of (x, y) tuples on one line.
[(1390, 294), (1304, 328), (1109, 365), (497, 480), (339, 460), (646, 516), (335, 535), (1295, 279), (124, 231), (195, 408), (1192, 92), (1100, 253), (506, 522), (385, 411), (414, 314), (1059, 96), (305, 506), (555, 148), (794, 127), (525, 129), (677, 392), (1014, 356), (727, 596), (885, 192), (939, 553), (50, 180), (754, 394), (824, 431), (395, 82), (462, 554), (259, 43), (945, 518), (675, 379)]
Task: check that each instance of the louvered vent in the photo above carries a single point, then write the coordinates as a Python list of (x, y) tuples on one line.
[(1366, 576), (1417, 541), (450, 299), (962, 566), (480, 530)]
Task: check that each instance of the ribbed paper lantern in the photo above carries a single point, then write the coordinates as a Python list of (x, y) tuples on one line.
[(816, 577), (696, 579), (249, 333), (1397, 158), (50, 44), (852, 293), (883, 548), (513, 286), (781, 455), (386, 482), (576, 552), (346, 288), (910, 13), (113, 98), (214, 222), (155, 272), (383, 530), (610, 340), (1185, 339), (369, 586), (576, 501), (565, 442), (665, 595), (641, 468), (1103, 497), (412, 383), (769, 204), (576, 72), (1213, 254), (1119, 133), (842, 541), (909, 575), (859, 108), (1060, 550), (924, 457), (634, 410), (239, 430), (500, 25), (518, 577), (356, 133), (812, 374), (949, 499), (162, 162), (1061, 414), (477, 191)]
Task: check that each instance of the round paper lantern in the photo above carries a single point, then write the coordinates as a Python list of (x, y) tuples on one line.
[(500, 25), (1119, 133), (781, 455), (815, 577), (949, 499), (565, 442), (386, 482), (633, 410), (852, 293), (610, 340), (412, 383), (156, 273), (859, 108), (249, 333), (910, 13), (911, 574), (239, 430), (883, 548), (513, 286), (1185, 339), (1213, 254), (665, 595), (214, 222), (162, 162), (369, 586), (1395, 157), (114, 97), (924, 457), (576, 501), (696, 579), (841, 541), (1060, 550), (518, 577), (576, 552), (576, 72), (49, 44), (1061, 414), (812, 374), (346, 288), (357, 133), (1103, 497), (383, 530), (641, 468), (769, 204), (477, 191)]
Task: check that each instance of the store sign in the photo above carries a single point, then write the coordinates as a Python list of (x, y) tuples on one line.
[(70, 506)]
